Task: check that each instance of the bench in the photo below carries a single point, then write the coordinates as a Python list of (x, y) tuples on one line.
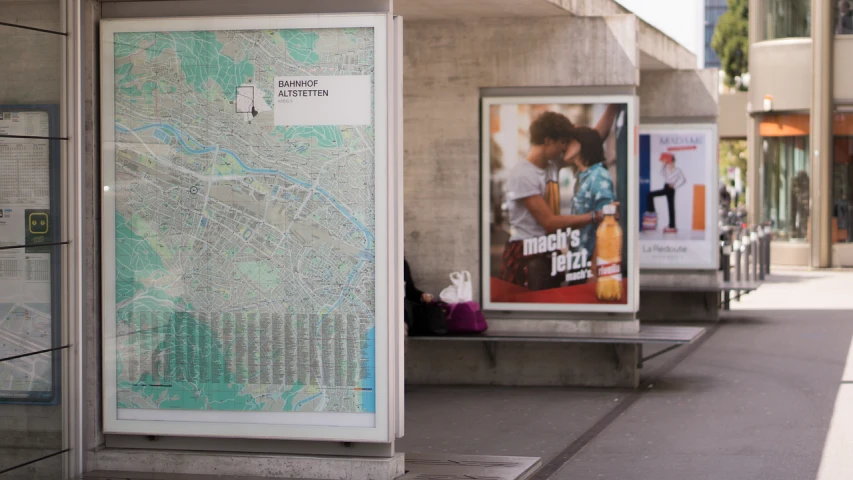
[(675, 336)]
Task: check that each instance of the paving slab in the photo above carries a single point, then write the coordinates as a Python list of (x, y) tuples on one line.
[(418, 467), (469, 467), (524, 421)]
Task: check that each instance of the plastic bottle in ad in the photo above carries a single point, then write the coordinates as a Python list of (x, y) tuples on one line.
[(608, 287)]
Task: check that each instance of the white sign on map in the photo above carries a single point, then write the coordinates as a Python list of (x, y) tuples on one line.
[(323, 100)]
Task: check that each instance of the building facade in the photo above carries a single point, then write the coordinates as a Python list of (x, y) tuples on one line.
[(714, 9), (800, 128)]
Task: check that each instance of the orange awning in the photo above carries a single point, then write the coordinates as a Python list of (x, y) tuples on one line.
[(784, 125), (797, 124)]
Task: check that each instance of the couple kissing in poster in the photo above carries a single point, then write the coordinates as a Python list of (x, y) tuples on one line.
[(556, 229)]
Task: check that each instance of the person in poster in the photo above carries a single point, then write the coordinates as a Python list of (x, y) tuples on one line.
[(595, 187), (673, 179), (547, 249)]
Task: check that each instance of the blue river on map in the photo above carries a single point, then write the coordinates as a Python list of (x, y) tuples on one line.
[(179, 135)]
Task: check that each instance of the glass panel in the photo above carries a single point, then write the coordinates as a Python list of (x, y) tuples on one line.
[(41, 14), (46, 469), (842, 191), (29, 280), (28, 432), (786, 186), (31, 423), (788, 19), (844, 17)]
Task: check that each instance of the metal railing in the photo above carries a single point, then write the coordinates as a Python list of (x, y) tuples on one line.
[(744, 260)]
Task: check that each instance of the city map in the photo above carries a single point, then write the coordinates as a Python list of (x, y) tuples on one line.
[(245, 273)]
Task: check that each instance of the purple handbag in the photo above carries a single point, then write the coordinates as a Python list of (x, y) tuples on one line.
[(466, 317)]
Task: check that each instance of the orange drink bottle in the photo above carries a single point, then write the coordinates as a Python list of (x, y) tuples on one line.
[(552, 187), (608, 240), (552, 197)]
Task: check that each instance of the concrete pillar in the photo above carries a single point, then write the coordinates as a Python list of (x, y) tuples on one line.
[(679, 97), (754, 167), (821, 135), (757, 25)]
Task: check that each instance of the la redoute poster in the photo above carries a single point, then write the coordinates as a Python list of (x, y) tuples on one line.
[(678, 188)]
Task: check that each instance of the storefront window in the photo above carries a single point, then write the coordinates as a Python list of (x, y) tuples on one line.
[(788, 19), (843, 17), (786, 186), (842, 188)]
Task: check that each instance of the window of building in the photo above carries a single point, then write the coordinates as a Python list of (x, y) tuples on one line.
[(842, 179), (787, 19), (785, 162), (714, 9), (843, 17)]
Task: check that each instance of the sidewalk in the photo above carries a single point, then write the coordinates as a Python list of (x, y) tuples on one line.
[(752, 401)]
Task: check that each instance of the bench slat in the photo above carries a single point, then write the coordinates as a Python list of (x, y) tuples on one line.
[(722, 287), (647, 334)]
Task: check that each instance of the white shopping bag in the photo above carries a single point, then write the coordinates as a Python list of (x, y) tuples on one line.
[(460, 289)]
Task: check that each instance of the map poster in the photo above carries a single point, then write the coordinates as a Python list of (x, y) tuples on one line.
[(558, 179), (678, 192), (29, 306), (246, 227)]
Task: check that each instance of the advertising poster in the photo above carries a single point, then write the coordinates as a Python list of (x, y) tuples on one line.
[(557, 226), (678, 188)]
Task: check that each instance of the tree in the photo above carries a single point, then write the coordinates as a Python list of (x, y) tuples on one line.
[(731, 42)]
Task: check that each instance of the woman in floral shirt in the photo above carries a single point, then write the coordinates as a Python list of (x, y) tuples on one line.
[(594, 187)]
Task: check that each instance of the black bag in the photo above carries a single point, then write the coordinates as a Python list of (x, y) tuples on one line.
[(426, 318)]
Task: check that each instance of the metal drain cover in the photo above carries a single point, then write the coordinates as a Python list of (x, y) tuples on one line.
[(468, 467)]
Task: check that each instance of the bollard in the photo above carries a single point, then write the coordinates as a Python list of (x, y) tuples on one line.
[(726, 258), (762, 244), (756, 252), (769, 232), (736, 247), (747, 247)]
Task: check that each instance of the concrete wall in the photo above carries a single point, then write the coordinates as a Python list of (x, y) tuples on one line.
[(683, 95), (31, 63), (789, 254), (732, 122), (30, 59), (526, 364), (783, 70), (842, 84), (446, 63)]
